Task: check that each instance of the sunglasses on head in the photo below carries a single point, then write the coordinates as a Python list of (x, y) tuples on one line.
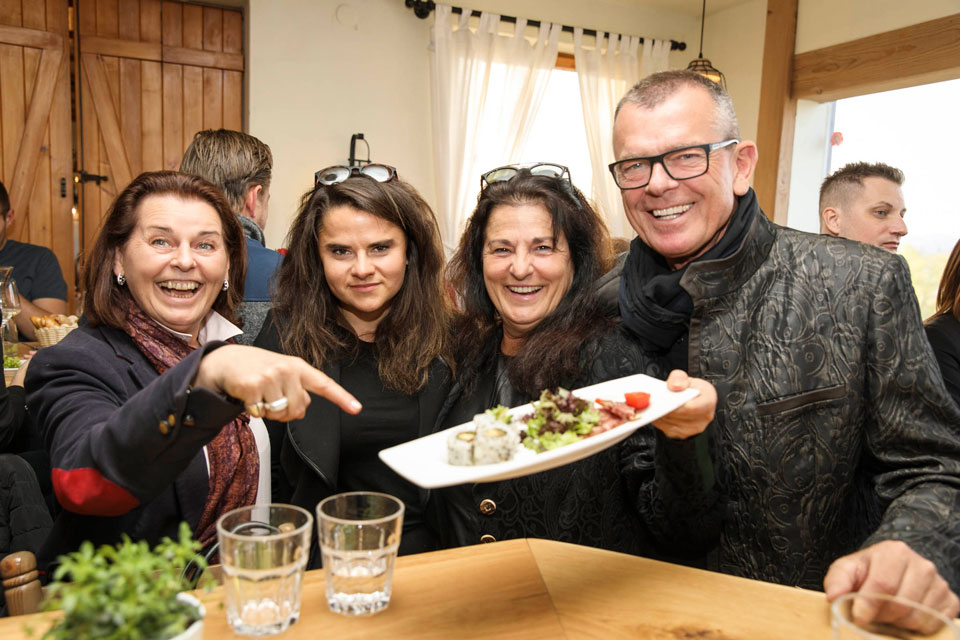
[(339, 173), (510, 171)]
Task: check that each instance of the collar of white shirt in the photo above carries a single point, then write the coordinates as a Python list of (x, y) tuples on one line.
[(215, 328)]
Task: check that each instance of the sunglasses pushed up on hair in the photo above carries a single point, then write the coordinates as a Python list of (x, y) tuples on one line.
[(339, 173), (510, 171)]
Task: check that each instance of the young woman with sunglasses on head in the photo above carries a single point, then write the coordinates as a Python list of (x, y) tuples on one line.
[(531, 319), (359, 295)]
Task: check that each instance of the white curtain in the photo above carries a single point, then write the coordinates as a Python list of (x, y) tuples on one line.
[(486, 89), (605, 73)]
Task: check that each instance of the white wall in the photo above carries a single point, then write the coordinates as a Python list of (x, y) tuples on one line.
[(320, 70), (314, 81), (822, 23), (733, 42)]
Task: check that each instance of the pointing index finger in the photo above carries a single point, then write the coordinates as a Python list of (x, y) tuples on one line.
[(320, 384)]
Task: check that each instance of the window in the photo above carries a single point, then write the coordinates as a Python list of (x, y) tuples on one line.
[(910, 129)]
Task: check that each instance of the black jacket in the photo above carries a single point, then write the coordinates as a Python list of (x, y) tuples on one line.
[(647, 495), (306, 452), (125, 443)]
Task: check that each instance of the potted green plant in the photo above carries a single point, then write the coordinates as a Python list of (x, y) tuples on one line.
[(127, 591)]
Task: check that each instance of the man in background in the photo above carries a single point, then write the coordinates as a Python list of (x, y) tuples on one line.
[(864, 202), (43, 291), (838, 456), (241, 166)]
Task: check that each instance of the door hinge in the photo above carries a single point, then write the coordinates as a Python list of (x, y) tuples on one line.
[(83, 176)]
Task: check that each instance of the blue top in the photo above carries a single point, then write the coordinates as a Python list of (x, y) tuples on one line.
[(261, 264), (35, 269)]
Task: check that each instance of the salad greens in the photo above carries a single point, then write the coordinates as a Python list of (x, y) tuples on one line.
[(559, 419), (9, 362)]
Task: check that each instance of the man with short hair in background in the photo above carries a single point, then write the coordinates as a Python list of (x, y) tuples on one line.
[(837, 447), (43, 291), (864, 202), (241, 166)]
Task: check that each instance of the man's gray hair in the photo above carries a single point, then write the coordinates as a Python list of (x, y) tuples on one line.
[(655, 89)]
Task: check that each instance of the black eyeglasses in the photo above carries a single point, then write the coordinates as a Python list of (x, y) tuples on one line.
[(510, 171), (339, 173), (680, 164)]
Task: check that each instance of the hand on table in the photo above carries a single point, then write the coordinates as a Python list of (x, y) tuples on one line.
[(254, 375), (694, 416), (890, 567)]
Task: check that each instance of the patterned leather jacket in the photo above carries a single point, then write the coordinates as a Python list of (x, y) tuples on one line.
[(835, 430)]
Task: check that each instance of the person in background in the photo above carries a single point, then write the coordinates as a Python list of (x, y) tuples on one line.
[(360, 296), (43, 291), (864, 202), (142, 408), (838, 454), (531, 320), (943, 327), (241, 166)]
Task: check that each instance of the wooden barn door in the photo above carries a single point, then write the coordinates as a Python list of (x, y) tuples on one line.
[(152, 74), (35, 124)]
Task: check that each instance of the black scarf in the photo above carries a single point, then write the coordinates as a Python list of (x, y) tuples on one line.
[(653, 305)]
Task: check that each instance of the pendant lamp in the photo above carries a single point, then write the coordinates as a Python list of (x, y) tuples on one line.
[(702, 65)]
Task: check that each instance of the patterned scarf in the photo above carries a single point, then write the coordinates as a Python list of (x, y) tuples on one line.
[(233, 457), (653, 305)]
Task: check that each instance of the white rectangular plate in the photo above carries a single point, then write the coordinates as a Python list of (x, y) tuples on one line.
[(424, 461)]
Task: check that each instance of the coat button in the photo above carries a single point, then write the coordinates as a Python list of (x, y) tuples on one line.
[(488, 507), (172, 419), (188, 421), (164, 427), (485, 538)]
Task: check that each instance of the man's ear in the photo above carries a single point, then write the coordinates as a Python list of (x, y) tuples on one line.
[(250, 202), (830, 221), (9, 217), (746, 162)]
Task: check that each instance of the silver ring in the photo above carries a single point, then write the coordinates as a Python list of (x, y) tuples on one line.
[(279, 404)]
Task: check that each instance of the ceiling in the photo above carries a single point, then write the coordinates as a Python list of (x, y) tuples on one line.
[(685, 7)]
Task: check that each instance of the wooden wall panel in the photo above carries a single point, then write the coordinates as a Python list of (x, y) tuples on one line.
[(35, 127), (164, 66)]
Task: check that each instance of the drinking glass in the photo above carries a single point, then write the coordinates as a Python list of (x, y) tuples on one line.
[(933, 624), (10, 305), (264, 551), (359, 538)]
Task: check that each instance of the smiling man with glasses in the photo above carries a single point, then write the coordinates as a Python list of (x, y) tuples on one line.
[(838, 453)]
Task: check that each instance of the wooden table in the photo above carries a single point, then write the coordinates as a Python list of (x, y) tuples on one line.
[(531, 589)]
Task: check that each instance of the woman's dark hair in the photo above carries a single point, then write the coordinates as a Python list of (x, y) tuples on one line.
[(104, 301), (948, 295), (551, 351), (413, 332)]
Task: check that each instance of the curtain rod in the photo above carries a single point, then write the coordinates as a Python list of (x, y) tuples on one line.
[(422, 9)]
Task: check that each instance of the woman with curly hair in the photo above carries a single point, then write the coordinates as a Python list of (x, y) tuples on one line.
[(943, 327), (526, 272)]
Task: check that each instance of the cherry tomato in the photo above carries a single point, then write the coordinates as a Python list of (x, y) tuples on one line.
[(637, 399)]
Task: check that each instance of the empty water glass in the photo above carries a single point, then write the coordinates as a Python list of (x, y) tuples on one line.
[(359, 538), (264, 550), (923, 621)]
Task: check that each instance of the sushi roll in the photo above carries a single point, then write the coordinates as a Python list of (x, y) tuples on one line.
[(495, 441), (460, 447)]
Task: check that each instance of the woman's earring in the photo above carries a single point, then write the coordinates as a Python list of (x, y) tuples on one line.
[(121, 279), (226, 284)]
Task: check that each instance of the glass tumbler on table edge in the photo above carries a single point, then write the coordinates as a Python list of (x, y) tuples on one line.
[(10, 305), (264, 551), (359, 534), (933, 624)]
